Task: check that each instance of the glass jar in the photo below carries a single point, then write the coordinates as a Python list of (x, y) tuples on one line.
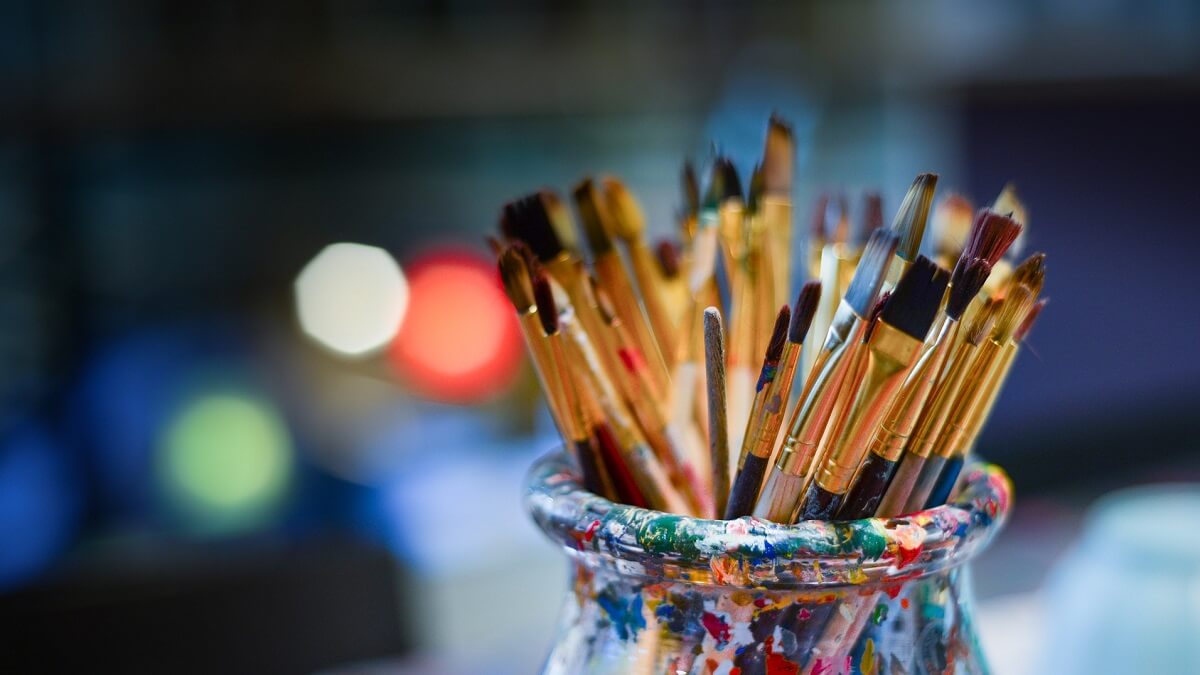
[(653, 592)]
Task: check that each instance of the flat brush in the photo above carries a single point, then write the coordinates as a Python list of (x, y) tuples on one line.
[(989, 237), (894, 345), (630, 224), (781, 494), (606, 262), (909, 224), (884, 441), (718, 432), (654, 482), (756, 448)]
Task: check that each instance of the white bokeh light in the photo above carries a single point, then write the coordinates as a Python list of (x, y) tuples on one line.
[(351, 298)]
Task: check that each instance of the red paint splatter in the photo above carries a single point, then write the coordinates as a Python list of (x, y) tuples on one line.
[(822, 667), (804, 614), (906, 555), (892, 591), (715, 626), (631, 358), (777, 664), (904, 603), (590, 532), (761, 602), (735, 671), (712, 665)]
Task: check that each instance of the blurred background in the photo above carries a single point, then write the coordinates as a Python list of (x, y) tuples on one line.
[(264, 408)]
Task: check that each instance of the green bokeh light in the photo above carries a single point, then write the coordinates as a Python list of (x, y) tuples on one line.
[(226, 458)]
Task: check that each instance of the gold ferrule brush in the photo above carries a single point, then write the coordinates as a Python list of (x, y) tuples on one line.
[(609, 268), (763, 424), (514, 274), (892, 349), (787, 478), (630, 224), (909, 225)]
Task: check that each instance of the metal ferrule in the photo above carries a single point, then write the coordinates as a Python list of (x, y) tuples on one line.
[(933, 418), (766, 415), (893, 433), (890, 355), (820, 395), (970, 399)]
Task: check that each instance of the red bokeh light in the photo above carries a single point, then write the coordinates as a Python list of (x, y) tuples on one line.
[(459, 341)]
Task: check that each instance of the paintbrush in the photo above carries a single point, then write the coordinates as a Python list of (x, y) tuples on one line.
[(989, 237), (909, 225), (542, 222), (629, 226), (952, 220), (640, 393), (781, 494), (654, 481), (674, 289), (614, 278), (572, 423), (718, 433), (773, 388), (778, 165), (933, 418), (983, 387), (892, 350), (751, 467)]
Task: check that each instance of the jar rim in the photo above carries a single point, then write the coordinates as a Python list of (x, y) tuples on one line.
[(751, 552)]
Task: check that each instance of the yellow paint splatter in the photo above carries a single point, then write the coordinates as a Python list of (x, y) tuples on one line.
[(869, 665)]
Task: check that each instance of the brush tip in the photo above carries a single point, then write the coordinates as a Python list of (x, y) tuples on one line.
[(779, 333), (872, 267), (982, 324), (1031, 273), (991, 235), (627, 218), (668, 258), (917, 297), (779, 157), (593, 215), (537, 219), (804, 310), (547, 310), (968, 278), (514, 276), (691, 189), (872, 214), (1030, 319), (757, 187), (913, 214)]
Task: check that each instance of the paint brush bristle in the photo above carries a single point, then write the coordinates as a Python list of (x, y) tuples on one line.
[(668, 258), (730, 181), (951, 221), (1030, 319), (1013, 308), (626, 214), (981, 325), (1031, 273), (594, 216), (910, 220), (818, 229), (547, 310), (1008, 202), (755, 193), (530, 220), (876, 312), (916, 298), (779, 333), (779, 157), (868, 277), (991, 235), (803, 311), (514, 274), (691, 190), (966, 281)]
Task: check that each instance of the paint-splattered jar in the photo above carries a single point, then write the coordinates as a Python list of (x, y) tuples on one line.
[(660, 593)]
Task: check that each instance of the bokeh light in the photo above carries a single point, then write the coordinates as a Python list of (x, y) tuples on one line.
[(460, 340), (351, 298), (226, 459)]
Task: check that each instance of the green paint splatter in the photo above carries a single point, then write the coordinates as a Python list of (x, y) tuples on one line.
[(880, 614)]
